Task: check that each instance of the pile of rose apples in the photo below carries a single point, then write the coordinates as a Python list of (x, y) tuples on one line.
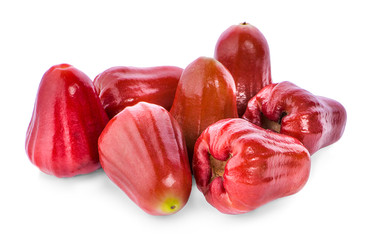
[(246, 140)]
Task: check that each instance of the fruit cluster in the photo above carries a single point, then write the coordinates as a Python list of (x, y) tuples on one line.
[(246, 140)]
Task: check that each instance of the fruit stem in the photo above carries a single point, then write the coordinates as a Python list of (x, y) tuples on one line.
[(272, 125), (217, 166)]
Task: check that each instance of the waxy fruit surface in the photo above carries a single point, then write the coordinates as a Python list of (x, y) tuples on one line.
[(205, 94), (142, 150), (244, 51), (67, 120), (120, 87), (239, 166), (288, 109)]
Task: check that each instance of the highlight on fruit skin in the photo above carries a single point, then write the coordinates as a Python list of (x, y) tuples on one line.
[(142, 150)]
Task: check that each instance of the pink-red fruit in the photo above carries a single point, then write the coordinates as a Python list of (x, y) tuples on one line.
[(142, 150), (67, 120)]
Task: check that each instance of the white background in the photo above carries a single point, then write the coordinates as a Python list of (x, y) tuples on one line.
[(322, 46)]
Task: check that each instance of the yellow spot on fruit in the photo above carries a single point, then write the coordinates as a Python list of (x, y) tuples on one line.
[(170, 205)]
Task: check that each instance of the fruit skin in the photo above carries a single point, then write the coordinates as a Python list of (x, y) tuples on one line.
[(239, 166), (120, 87), (205, 94), (244, 51), (62, 137), (142, 150), (286, 108)]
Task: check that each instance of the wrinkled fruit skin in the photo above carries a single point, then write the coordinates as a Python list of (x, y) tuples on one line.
[(244, 51), (120, 87), (205, 94), (62, 137), (239, 166), (142, 150), (284, 107)]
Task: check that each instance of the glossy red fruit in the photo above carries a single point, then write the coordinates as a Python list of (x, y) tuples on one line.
[(239, 166), (205, 94), (244, 51), (288, 109), (142, 150), (67, 120), (120, 87)]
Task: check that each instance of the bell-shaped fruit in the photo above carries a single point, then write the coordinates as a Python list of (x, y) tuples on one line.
[(120, 87), (288, 109), (239, 166), (62, 138), (142, 150), (205, 94), (244, 51)]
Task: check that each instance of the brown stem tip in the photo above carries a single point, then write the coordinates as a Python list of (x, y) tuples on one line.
[(217, 166)]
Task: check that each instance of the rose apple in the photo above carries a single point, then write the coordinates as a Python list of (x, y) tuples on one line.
[(66, 122), (119, 87), (205, 94), (142, 150), (244, 51), (288, 109), (239, 166)]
